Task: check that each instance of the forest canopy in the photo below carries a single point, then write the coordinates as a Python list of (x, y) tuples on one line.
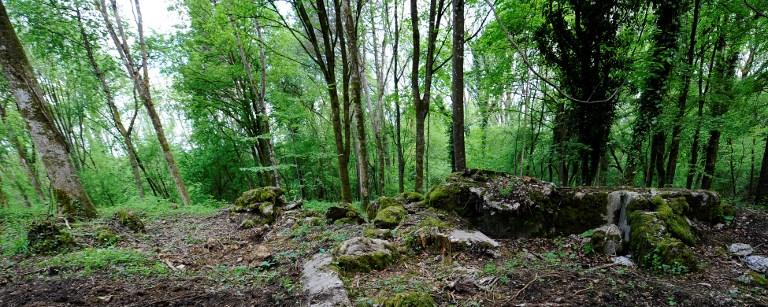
[(351, 100)]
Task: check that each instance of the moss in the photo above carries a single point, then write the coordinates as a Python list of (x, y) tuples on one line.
[(129, 219), (377, 233), (728, 210), (105, 236), (758, 279), (679, 205), (577, 212), (268, 212), (676, 224), (640, 203), (454, 196), (367, 262), (250, 223), (433, 222), (45, 237), (380, 204), (655, 248), (408, 299), (347, 220), (411, 197), (390, 217), (250, 200)]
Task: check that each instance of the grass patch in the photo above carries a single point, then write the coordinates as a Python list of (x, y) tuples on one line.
[(317, 205), (114, 260), (153, 208)]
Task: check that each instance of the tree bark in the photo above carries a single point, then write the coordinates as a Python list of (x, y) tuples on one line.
[(140, 76), (72, 198), (457, 85), (353, 53), (398, 123)]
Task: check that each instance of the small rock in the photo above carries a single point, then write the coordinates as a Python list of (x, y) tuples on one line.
[(607, 239), (322, 285), (345, 212), (740, 249), (757, 263), (261, 252), (719, 226), (623, 261), (294, 205), (472, 240)]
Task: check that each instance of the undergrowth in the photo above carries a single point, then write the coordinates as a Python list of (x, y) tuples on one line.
[(122, 261)]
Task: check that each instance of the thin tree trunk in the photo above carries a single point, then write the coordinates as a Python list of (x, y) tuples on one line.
[(674, 148), (353, 53), (73, 199), (114, 112), (457, 85), (398, 123), (140, 77)]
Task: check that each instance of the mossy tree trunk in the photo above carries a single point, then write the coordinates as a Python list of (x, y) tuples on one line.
[(72, 198)]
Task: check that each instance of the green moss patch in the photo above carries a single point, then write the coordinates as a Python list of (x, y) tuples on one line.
[(390, 217), (129, 219), (655, 248)]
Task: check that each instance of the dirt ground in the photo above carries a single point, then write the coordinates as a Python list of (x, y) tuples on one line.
[(211, 262)]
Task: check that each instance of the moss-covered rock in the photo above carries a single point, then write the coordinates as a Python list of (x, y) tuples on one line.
[(390, 217), (411, 197), (407, 299), (251, 223), (380, 204), (105, 236), (343, 211), (129, 219), (45, 237), (251, 200), (654, 248), (607, 240), (361, 254), (377, 233), (677, 224)]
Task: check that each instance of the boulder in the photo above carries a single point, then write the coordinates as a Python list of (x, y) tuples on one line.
[(757, 263), (390, 217), (379, 204), (407, 299), (623, 261), (345, 213), (252, 200), (506, 206), (740, 249), (377, 233), (361, 254), (607, 240), (321, 284), (655, 248), (45, 237), (473, 241)]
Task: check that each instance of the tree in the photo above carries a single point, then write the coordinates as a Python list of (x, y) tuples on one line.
[(355, 67), (421, 101), (761, 191), (584, 50), (650, 102), (139, 73), (67, 189), (457, 85)]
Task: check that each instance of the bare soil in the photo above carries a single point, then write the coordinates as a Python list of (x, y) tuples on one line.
[(211, 262)]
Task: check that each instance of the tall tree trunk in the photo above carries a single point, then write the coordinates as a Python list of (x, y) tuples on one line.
[(114, 112), (674, 148), (377, 121), (72, 198), (353, 53), (140, 76), (457, 85), (761, 190), (398, 123), (421, 102)]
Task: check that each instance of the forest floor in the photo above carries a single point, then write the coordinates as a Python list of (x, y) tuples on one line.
[(207, 260)]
